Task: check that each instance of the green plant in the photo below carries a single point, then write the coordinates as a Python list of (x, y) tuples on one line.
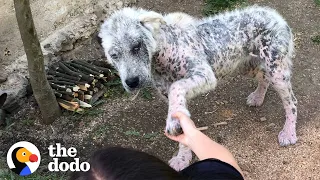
[(150, 135), (28, 122), (132, 133), (216, 6), (316, 39), (146, 93), (9, 175)]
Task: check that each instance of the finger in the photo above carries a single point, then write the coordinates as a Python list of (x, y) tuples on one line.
[(179, 115), (174, 138), (184, 120)]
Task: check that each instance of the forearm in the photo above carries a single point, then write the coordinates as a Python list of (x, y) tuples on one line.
[(205, 148)]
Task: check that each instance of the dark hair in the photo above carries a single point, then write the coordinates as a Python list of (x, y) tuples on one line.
[(117, 163)]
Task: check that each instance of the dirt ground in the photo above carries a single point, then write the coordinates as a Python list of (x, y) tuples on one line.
[(139, 123)]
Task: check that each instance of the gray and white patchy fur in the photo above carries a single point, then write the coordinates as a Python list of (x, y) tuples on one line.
[(183, 57)]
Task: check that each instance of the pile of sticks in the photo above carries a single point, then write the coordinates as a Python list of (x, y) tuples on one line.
[(79, 84)]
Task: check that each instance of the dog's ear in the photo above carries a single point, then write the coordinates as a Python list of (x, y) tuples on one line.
[(152, 21)]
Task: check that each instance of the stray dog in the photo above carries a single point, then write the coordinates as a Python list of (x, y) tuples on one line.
[(183, 57)]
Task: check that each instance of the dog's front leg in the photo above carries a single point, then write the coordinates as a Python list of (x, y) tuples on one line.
[(201, 80), (198, 80)]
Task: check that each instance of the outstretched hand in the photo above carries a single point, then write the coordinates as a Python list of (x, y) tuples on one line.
[(188, 127)]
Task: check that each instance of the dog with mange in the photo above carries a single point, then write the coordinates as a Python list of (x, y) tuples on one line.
[(183, 57)]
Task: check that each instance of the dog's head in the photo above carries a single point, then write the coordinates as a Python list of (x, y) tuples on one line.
[(129, 41)]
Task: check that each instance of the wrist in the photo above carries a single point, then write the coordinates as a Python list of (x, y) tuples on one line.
[(192, 137)]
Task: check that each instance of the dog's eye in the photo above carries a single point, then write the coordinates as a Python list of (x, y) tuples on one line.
[(114, 56), (136, 48)]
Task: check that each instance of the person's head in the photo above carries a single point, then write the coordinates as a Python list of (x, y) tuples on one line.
[(117, 163)]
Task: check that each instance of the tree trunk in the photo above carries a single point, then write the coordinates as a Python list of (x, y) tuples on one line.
[(42, 91)]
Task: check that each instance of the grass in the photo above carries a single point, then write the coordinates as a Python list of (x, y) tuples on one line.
[(9, 175), (28, 122), (217, 6), (151, 136), (101, 131), (316, 39), (132, 133), (317, 2), (115, 89), (146, 93)]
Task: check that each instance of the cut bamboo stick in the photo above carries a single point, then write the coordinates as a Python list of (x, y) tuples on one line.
[(62, 82), (90, 66), (97, 96), (84, 68), (202, 128), (59, 74), (99, 69), (70, 72)]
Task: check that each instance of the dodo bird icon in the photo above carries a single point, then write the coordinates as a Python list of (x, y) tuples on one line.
[(20, 156), (23, 159)]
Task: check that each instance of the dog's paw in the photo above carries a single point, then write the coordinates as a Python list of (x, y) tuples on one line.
[(178, 163), (173, 127), (287, 138), (255, 99), (181, 161)]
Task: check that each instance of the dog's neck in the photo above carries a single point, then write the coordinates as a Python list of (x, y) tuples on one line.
[(166, 56)]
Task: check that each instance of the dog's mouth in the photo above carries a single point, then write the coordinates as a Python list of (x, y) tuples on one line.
[(132, 90)]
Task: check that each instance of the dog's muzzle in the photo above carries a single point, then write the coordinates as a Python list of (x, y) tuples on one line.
[(132, 82)]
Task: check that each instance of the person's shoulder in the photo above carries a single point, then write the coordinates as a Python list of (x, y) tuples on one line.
[(211, 169)]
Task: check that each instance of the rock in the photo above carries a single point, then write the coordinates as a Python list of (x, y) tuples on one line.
[(15, 87), (3, 77), (2, 118), (219, 139), (270, 127), (263, 119), (119, 4), (285, 162), (3, 98)]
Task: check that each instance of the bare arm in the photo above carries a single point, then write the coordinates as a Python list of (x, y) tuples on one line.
[(201, 144)]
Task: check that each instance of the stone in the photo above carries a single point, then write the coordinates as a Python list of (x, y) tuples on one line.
[(271, 127), (2, 117), (263, 119), (15, 87), (119, 4), (3, 77), (3, 97)]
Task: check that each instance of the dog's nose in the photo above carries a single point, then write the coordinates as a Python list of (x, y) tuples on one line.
[(133, 82)]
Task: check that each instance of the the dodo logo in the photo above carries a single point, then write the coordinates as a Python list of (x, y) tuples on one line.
[(23, 158)]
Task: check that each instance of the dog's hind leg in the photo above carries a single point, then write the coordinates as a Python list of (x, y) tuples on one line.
[(281, 83), (278, 69), (256, 98)]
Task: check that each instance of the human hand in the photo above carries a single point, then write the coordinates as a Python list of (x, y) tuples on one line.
[(173, 127), (188, 127)]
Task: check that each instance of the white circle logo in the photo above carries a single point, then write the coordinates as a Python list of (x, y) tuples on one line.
[(23, 158)]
